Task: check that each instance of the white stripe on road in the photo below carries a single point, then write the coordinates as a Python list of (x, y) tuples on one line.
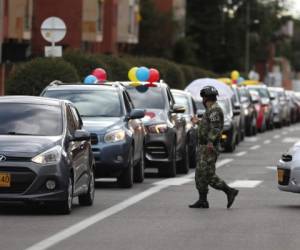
[(255, 147), (267, 141), (245, 184), (252, 139), (272, 167), (84, 224), (291, 140), (241, 153), (276, 136)]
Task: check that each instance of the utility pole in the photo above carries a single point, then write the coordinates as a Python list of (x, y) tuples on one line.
[(247, 40)]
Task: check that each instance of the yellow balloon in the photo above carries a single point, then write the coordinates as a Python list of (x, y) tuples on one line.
[(135, 84), (235, 75), (132, 74)]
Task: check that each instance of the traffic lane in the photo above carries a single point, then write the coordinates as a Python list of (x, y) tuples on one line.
[(163, 221)]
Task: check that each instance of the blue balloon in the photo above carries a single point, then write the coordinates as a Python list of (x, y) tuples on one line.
[(143, 74), (90, 79), (240, 79)]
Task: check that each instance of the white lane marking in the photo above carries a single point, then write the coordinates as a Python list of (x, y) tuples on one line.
[(245, 184), (290, 140), (106, 179), (272, 167), (255, 147), (276, 136), (82, 225), (241, 153), (267, 141), (252, 139)]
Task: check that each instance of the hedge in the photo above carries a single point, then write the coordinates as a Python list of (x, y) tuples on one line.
[(32, 77)]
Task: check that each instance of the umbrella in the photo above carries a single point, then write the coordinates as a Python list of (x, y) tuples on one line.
[(196, 86)]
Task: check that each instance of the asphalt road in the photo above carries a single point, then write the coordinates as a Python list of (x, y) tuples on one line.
[(155, 214)]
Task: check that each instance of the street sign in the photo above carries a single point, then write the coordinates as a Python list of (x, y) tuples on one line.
[(53, 51), (53, 29)]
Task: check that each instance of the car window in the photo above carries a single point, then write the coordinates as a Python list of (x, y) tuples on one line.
[(263, 92), (225, 105), (91, 103), (146, 98), (183, 100), (30, 119)]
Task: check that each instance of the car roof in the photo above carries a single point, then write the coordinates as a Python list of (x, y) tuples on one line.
[(32, 100), (257, 86), (181, 92), (78, 86), (276, 88)]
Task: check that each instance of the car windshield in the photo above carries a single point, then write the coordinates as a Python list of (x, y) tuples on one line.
[(245, 95), (263, 92), (91, 103), (183, 101), (225, 105), (147, 98), (30, 119)]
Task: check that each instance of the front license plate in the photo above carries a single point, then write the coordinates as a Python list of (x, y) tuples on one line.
[(280, 173), (5, 180)]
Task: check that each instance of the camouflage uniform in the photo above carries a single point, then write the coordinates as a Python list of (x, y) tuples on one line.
[(210, 131)]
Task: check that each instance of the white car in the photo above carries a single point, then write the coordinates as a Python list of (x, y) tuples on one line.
[(288, 170)]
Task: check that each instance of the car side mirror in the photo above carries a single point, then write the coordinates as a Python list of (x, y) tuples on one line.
[(81, 135), (200, 113), (137, 114), (236, 112), (178, 109)]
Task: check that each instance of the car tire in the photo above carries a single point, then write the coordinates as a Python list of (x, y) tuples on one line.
[(139, 170), (184, 164), (231, 146), (65, 207), (125, 180), (88, 198), (169, 170)]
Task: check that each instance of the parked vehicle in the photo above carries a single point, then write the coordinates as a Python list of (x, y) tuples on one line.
[(278, 109), (265, 102), (115, 125), (186, 100), (45, 154), (240, 119), (286, 118), (249, 112), (259, 107), (292, 106), (166, 140)]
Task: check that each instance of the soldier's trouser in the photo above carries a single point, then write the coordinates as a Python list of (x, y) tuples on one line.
[(205, 174)]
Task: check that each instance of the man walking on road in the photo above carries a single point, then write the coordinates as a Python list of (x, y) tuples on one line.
[(210, 131)]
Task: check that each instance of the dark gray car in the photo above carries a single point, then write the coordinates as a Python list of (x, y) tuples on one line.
[(45, 155)]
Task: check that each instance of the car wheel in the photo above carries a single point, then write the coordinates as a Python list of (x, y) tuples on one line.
[(139, 170), (88, 198), (169, 170), (65, 207), (125, 180), (184, 164), (231, 145)]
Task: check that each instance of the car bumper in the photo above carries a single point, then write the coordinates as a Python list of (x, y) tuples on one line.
[(288, 177), (28, 182), (158, 147)]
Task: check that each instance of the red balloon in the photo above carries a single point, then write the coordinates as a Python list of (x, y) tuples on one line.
[(154, 75), (100, 74)]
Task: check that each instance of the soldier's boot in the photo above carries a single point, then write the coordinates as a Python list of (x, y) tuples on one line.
[(231, 194), (202, 202)]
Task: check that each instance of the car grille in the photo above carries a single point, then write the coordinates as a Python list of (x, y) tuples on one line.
[(21, 179), (94, 139), (157, 150), (17, 159)]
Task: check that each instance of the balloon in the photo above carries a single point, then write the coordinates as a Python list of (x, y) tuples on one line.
[(100, 74), (135, 84), (240, 80), (154, 75), (142, 88), (142, 74), (132, 74), (235, 75), (90, 79)]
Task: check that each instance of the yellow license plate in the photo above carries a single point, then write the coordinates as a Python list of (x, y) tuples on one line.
[(5, 180), (280, 174)]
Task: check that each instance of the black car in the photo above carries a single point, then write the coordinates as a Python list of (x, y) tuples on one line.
[(45, 155), (117, 132), (186, 100), (165, 141)]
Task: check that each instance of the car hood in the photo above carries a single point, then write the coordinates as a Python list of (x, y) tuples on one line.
[(155, 116), (100, 125), (26, 146)]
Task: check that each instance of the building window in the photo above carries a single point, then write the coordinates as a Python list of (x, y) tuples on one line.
[(27, 21), (99, 21)]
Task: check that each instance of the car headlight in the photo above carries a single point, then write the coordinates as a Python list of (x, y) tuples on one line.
[(158, 128), (246, 112), (51, 156), (115, 136)]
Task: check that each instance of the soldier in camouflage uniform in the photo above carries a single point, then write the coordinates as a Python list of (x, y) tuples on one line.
[(210, 131)]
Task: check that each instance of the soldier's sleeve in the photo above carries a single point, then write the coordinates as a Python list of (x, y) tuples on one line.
[(216, 125)]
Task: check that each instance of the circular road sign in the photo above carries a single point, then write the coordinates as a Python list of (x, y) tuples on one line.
[(53, 29)]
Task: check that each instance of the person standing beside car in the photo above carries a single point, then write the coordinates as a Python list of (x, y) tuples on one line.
[(210, 130)]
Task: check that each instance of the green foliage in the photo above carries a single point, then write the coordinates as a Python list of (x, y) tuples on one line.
[(32, 77), (84, 63)]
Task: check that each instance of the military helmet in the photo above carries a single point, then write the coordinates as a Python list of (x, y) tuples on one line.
[(209, 91)]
